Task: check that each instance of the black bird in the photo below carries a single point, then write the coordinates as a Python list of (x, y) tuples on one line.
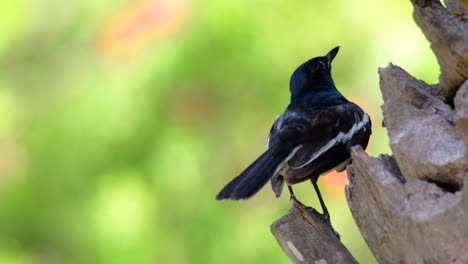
[(313, 135)]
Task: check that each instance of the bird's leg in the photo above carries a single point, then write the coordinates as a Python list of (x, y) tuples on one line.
[(291, 193), (325, 213)]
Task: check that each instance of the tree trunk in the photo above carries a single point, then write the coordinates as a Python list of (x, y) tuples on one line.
[(411, 207)]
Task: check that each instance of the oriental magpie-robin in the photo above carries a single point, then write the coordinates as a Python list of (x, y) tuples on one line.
[(313, 135)]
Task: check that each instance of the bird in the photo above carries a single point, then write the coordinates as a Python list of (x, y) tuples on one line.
[(312, 136)]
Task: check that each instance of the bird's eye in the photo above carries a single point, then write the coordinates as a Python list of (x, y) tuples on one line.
[(321, 65)]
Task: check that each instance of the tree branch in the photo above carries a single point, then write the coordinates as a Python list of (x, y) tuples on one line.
[(306, 238), (418, 121), (412, 221)]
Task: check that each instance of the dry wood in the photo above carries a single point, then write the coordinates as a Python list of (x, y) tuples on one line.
[(448, 37), (458, 9), (461, 114), (413, 221), (412, 207), (306, 238), (417, 122)]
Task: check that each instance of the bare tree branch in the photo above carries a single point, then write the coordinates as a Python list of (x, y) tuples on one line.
[(306, 238)]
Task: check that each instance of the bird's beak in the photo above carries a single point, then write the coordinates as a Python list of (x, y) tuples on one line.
[(331, 55)]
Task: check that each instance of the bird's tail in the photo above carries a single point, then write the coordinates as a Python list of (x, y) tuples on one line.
[(252, 179)]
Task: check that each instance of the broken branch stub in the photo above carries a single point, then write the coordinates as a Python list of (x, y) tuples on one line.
[(411, 221), (306, 238), (423, 139)]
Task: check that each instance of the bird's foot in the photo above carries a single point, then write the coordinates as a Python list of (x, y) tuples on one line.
[(292, 197), (326, 219)]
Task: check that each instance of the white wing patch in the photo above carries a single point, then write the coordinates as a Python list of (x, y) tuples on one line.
[(281, 165), (340, 138)]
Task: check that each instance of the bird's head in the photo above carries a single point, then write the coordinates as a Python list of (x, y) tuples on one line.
[(313, 75)]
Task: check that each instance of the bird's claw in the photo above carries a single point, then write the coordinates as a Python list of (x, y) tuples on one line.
[(326, 220), (292, 197)]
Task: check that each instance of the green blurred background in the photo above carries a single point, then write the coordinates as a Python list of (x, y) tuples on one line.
[(121, 120)]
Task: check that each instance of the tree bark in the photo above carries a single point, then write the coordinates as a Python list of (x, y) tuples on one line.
[(411, 207), (306, 238)]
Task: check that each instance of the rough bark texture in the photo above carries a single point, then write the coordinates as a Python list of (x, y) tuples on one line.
[(458, 9), (461, 115), (305, 238), (448, 36), (417, 122), (406, 221), (411, 207)]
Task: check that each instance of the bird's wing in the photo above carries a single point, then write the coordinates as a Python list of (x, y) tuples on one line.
[(318, 129)]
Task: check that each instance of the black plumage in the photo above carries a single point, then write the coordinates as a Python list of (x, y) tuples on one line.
[(312, 136)]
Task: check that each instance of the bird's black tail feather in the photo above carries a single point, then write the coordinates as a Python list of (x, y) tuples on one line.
[(250, 181)]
